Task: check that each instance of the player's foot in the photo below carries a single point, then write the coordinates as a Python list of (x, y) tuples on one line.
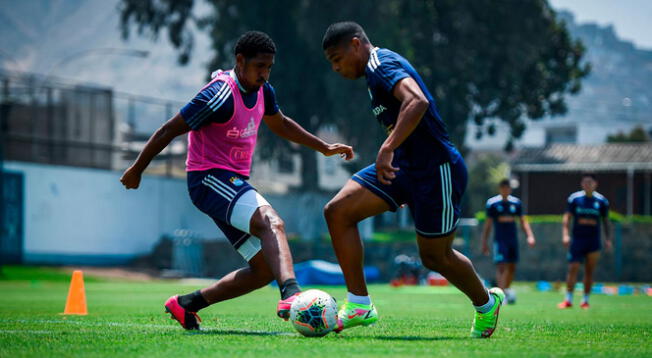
[(584, 305), (484, 324), (188, 320), (283, 307), (355, 314), (564, 305), (510, 296)]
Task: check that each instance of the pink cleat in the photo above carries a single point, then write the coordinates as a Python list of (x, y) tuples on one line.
[(283, 308), (564, 305), (188, 320), (585, 305)]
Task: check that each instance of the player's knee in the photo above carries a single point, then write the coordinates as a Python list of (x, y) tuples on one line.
[(332, 210), (267, 222), (439, 263)]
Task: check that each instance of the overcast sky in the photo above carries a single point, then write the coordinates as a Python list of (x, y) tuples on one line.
[(631, 18)]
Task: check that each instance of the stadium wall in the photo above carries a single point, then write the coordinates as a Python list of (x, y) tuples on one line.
[(77, 215)]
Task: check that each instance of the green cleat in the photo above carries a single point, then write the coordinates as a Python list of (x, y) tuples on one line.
[(484, 324), (355, 314)]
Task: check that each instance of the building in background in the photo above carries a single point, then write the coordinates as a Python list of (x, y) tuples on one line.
[(547, 176)]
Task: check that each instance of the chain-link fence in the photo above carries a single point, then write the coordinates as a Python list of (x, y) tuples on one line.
[(52, 121)]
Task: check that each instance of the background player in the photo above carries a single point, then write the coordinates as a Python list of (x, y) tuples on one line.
[(502, 212), (587, 208), (417, 164), (223, 122)]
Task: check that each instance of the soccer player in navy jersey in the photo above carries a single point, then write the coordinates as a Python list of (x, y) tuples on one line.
[(588, 209), (503, 210), (222, 125), (417, 165)]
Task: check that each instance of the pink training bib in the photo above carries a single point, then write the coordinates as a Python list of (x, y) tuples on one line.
[(227, 145)]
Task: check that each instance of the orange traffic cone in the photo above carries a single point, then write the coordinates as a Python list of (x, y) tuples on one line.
[(76, 302)]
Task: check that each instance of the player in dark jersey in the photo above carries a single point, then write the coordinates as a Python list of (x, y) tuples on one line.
[(417, 165), (222, 125), (588, 209), (503, 210)]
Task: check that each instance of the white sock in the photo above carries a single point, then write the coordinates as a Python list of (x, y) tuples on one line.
[(585, 299), (487, 306), (363, 300), (569, 297)]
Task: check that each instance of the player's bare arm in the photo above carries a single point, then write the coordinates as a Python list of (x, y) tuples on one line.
[(525, 225), (565, 223), (174, 127), (486, 229), (413, 105), (608, 243), (286, 127)]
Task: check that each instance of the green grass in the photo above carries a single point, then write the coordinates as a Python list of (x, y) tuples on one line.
[(126, 320)]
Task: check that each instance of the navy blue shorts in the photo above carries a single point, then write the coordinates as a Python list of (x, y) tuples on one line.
[(505, 251), (580, 247), (433, 194), (215, 192)]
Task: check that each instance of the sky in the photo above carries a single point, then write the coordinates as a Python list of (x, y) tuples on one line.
[(630, 18)]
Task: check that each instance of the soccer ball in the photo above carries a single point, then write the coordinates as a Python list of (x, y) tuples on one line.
[(314, 313)]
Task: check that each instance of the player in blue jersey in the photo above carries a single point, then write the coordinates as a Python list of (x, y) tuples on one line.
[(503, 211), (417, 165), (588, 209)]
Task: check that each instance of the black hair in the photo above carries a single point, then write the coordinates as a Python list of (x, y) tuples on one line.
[(251, 43), (340, 32), (504, 182), (589, 175)]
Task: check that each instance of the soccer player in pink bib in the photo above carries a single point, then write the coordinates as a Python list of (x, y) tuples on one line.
[(222, 125)]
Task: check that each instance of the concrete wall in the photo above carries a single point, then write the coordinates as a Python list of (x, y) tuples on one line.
[(85, 216), (79, 215)]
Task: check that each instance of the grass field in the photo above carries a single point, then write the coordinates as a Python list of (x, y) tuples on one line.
[(126, 319)]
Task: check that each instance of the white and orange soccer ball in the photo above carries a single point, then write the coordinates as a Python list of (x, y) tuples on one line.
[(314, 313)]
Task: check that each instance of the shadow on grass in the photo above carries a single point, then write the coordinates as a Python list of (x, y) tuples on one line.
[(238, 332), (291, 334), (416, 338)]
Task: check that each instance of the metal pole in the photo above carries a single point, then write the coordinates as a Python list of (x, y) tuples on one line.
[(4, 104), (648, 194), (630, 191), (525, 191), (618, 257), (168, 162)]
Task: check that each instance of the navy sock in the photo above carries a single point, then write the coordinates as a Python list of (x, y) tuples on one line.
[(289, 288), (193, 302)]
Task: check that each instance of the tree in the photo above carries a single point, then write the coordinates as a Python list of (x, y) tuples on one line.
[(479, 58), (637, 135)]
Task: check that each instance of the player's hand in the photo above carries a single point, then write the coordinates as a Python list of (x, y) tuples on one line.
[(131, 178), (608, 245), (566, 240), (485, 249), (345, 151), (531, 241), (384, 169)]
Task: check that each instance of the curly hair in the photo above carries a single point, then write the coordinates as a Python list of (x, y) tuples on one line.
[(251, 43)]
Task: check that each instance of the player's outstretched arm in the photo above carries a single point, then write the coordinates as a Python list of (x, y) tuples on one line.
[(413, 105), (485, 235), (525, 225), (607, 232), (565, 222), (287, 128), (156, 143)]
